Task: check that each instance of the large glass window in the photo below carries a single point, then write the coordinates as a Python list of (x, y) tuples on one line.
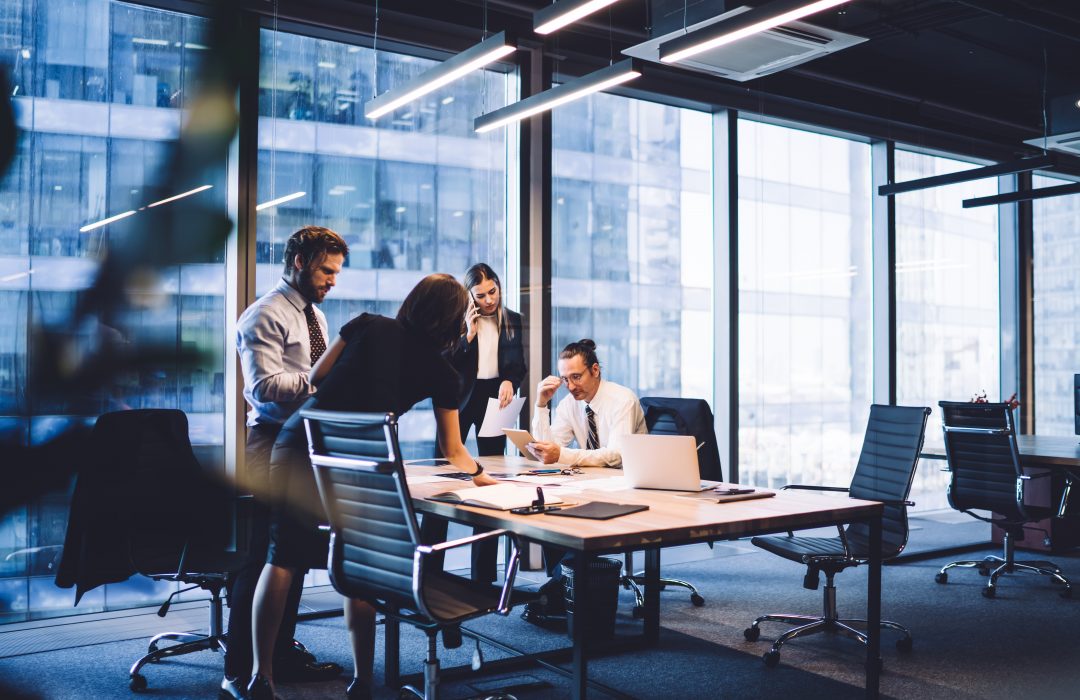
[(1056, 278), (99, 91), (947, 309), (805, 355), (632, 241), (415, 192)]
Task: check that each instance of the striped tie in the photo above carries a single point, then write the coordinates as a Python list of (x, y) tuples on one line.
[(593, 442)]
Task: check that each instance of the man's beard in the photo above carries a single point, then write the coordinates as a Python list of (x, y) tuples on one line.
[(308, 288)]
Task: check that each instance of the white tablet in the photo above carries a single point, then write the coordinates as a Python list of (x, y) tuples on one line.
[(521, 439)]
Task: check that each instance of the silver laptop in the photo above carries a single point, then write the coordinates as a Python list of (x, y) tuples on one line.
[(666, 462)]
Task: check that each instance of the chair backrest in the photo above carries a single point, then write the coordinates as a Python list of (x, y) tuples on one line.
[(980, 446), (141, 501), (886, 468), (677, 416), (361, 480)]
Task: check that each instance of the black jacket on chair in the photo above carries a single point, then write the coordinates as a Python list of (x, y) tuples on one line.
[(465, 358)]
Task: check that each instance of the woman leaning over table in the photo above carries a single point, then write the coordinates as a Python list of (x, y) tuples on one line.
[(376, 364)]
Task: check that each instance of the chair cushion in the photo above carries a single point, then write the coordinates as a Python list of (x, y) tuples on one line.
[(804, 550), (452, 598)]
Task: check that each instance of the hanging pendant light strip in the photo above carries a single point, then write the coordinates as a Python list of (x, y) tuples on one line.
[(740, 26), (558, 15), (596, 81), (1023, 195), (491, 49), (1014, 166)]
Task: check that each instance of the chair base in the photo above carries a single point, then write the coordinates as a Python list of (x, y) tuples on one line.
[(636, 581), (995, 567), (828, 622), (188, 644)]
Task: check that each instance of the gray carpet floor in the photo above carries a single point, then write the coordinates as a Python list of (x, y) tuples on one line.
[(1024, 642)]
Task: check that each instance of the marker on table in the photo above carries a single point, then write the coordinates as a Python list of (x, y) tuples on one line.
[(700, 445)]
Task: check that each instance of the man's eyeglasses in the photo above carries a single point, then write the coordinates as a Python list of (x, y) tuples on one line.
[(573, 378)]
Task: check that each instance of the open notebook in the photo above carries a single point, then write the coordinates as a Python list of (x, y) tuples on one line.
[(497, 496)]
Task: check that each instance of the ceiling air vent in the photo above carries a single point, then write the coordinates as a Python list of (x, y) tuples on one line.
[(755, 56), (1064, 126)]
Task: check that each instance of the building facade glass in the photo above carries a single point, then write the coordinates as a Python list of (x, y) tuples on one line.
[(1056, 277), (947, 310), (805, 345), (414, 192), (100, 89), (632, 241)]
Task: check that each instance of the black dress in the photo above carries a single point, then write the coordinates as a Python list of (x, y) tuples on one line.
[(384, 366)]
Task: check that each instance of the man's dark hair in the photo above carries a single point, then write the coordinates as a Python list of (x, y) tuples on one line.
[(584, 347), (311, 243), (434, 308)]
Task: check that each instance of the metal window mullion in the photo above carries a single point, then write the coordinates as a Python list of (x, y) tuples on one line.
[(725, 187), (883, 263)]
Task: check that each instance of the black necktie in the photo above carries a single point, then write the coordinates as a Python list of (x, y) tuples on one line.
[(318, 342), (593, 442)]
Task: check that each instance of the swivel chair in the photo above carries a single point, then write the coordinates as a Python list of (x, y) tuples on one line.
[(886, 467), (142, 504), (980, 446), (676, 416), (375, 548)]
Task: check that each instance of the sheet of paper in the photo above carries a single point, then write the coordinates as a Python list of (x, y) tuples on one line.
[(425, 479), (555, 479), (613, 483), (495, 418)]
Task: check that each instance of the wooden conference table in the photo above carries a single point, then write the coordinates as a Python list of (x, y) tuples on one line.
[(670, 520)]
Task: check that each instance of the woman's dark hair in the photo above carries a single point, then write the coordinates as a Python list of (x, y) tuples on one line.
[(434, 308), (584, 347), (311, 243), (477, 274)]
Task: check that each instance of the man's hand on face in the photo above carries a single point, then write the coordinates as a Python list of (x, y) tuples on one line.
[(546, 389), (546, 452)]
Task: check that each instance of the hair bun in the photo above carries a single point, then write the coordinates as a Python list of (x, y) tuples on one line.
[(588, 343)]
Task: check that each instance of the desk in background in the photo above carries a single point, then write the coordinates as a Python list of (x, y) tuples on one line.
[(670, 521), (1061, 457)]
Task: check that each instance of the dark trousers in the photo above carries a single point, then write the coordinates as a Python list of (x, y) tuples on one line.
[(485, 555), (239, 657)]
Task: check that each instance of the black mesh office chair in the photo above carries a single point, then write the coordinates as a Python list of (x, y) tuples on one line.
[(886, 467), (143, 504), (376, 552), (675, 416), (980, 446)]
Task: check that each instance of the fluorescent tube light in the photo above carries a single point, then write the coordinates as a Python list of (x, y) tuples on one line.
[(179, 196), (105, 222), (753, 21), (557, 15), (279, 200), (1023, 195), (478, 56), (596, 81)]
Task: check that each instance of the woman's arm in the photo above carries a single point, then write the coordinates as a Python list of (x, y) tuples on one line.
[(449, 432), (322, 367), (512, 362)]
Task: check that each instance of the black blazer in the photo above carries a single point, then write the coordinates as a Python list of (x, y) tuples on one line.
[(465, 358)]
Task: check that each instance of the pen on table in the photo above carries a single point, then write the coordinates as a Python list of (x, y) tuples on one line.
[(545, 471), (539, 498), (700, 445)]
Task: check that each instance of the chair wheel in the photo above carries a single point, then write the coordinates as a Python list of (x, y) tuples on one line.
[(138, 683), (941, 577), (989, 592), (771, 658), (904, 644), (697, 600), (751, 633), (638, 612)]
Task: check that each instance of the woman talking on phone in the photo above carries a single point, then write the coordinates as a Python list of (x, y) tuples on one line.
[(489, 355)]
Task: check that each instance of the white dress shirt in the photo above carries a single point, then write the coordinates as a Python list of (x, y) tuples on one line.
[(617, 413), (487, 347), (274, 343)]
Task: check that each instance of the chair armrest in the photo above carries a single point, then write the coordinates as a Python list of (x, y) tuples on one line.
[(1041, 475), (504, 605), (804, 487), (428, 549)]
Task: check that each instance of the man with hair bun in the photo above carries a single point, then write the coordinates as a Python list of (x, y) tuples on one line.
[(595, 414)]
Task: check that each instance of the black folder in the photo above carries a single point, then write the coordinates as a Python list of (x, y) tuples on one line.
[(599, 510)]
